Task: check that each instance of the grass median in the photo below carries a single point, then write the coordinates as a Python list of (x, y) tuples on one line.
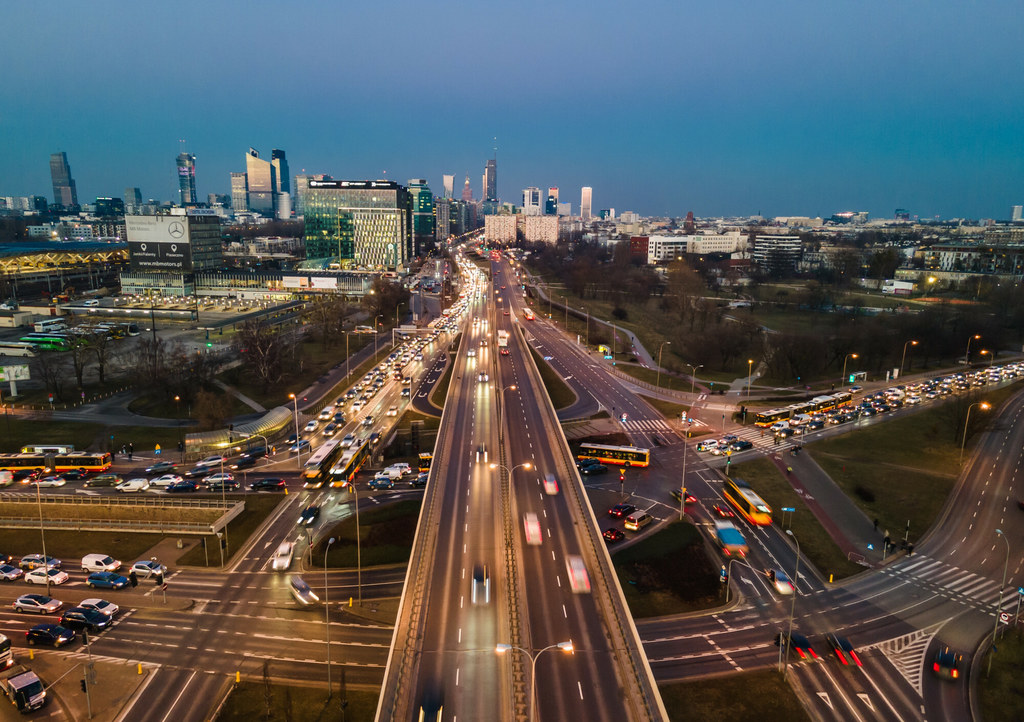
[(386, 535), (560, 393), (761, 696), (668, 409), (1001, 692), (257, 508), (250, 701)]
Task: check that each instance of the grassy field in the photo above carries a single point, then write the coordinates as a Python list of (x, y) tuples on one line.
[(71, 545), (1001, 694), (761, 696), (650, 573), (257, 508), (902, 469), (560, 393), (386, 536), (249, 701), (668, 409), (815, 543)]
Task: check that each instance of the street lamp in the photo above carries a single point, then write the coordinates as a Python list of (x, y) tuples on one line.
[(842, 381), (525, 465), (660, 349), (693, 372), (750, 372), (908, 343), (177, 417), (327, 621), (298, 446), (792, 607), (42, 536), (501, 405), (999, 608), (985, 406), (375, 335), (502, 648), (991, 355), (967, 355)]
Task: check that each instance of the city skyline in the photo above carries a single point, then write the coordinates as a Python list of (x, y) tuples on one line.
[(738, 110)]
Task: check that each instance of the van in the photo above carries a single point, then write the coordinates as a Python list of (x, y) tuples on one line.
[(99, 563), (638, 520), (302, 592), (778, 426)]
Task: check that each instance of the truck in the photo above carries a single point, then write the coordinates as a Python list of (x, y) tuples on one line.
[(23, 688), (730, 539), (503, 342)]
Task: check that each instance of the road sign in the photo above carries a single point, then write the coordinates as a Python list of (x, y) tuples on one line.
[(1004, 617), (1020, 590), (788, 508), (157, 450)]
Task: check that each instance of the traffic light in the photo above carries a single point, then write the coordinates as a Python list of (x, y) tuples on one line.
[(622, 476)]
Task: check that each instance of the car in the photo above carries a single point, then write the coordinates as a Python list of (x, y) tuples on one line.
[(531, 524), (381, 481), (785, 433), (593, 469), (75, 474), (348, 441), (100, 605), (550, 485), (292, 438), (132, 485), (282, 558), (843, 649), (374, 438), (34, 561), (947, 663), (613, 535), (723, 512), (148, 568), (677, 495), (51, 481), (243, 462), (83, 618), (325, 414), (330, 429), (368, 421), (301, 592), (301, 446), (707, 445), (637, 520), (620, 511), (9, 572), (161, 467), (214, 460), (52, 635), (269, 484), (311, 426), (309, 515), (165, 480), (406, 393), (814, 424), (37, 603), (420, 479), (781, 581), (185, 485), (104, 480), (741, 445), (482, 377), (44, 576), (392, 411), (218, 478), (798, 642), (338, 418), (481, 590), (106, 580), (471, 353), (223, 486), (579, 580)]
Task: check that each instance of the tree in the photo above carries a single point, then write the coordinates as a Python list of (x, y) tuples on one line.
[(211, 409), (52, 369), (261, 350)]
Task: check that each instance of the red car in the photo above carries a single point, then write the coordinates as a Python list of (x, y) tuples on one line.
[(723, 512), (613, 535)]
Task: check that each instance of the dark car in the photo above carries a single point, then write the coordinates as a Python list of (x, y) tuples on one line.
[(843, 649), (741, 445), (84, 618), (620, 511), (676, 494), (420, 479), (613, 535), (269, 484), (161, 467), (75, 475), (198, 471), (785, 433), (183, 486), (244, 462), (947, 663), (798, 642), (106, 580), (374, 438), (309, 515), (814, 425), (592, 469), (222, 486), (104, 480), (52, 635)]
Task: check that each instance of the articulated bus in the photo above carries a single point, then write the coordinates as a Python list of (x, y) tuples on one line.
[(817, 405), (624, 455), (425, 459), (747, 503), (351, 462), (47, 341), (527, 314), (317, 470), (91, 461)]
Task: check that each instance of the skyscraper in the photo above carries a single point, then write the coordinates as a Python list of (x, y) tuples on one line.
[(64, 191), (277, 160), (491, 180), (449, 185), (262, 179), (422, 214), (239, 192), (551, 206), (187, 179), (467, 191), (531, 201), (1016, 213), (586, 199), (132, 200)]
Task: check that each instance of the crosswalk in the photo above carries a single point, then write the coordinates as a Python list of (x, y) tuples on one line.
[(648, 425), (959, 585)]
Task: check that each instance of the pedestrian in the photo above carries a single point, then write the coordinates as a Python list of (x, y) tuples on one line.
[(789, 469), (133, 579), (876, 524)]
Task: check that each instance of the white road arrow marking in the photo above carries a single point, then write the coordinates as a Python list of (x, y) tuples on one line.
[(824, 696), (866, 700)]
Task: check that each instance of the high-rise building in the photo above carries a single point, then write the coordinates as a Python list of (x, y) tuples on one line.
[(132, 200), (449, 185), (367, 223), (491, 180), (239, 192), (442, 218), (586, 200), (531, 201), (467, 191), (262, 178), (107, 207), (64, 191), (180, 243), (187, 179), (422, 214), (551, 205), (280, 164), (1017, 213)]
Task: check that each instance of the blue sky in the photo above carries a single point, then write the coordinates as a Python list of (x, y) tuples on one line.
[(722, 108)]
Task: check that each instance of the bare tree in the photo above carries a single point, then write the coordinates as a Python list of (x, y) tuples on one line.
[(262, 351), (52, 370)]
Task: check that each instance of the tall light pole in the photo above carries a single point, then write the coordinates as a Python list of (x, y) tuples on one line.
[(42, 537), (298, 446), (842, 381), (660, 349), (792, 606), (984, 407), (327, 620), (999, 608), (750, 375), (693, 372), (908, 343), (375, 338), (565, 305), (502, 648), (967, 354), (501, 406), (347, 334), (177, 418)]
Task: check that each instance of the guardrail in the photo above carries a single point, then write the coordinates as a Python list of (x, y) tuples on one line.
[(89, 500), (168, 527)]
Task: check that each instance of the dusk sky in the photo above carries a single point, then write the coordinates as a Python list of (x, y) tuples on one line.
[(729, 107)]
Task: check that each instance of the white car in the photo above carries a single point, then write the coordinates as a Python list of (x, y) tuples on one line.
[(52, 481), (211, 460), (532, 526), (165, 480), (471, 353), (219, 478), (348, 441), (707, 445), (282, 558), (146, 569), (132, 485), (100, 605), (393, 411), (326, 414), (312, 426), (550, 485), (38, 576)]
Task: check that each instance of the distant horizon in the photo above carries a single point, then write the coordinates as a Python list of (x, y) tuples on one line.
[(726, 110)]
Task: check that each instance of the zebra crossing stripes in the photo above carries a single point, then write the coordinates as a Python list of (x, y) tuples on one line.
[(960, 585), (906, 654), (648, 425)]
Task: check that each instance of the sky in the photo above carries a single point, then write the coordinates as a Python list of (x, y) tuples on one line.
[(728, 107)]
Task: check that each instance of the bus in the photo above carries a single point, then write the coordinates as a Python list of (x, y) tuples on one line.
[(6, 658), (90, 461), (527, 314), (767, 418), (607, 454), (817, 405), (317, 469), (48, 449), (47, 341), (425, 458), (49, 325), (747, 503), (350, 463), (17, 348)]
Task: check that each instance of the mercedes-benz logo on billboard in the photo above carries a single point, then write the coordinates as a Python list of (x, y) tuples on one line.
[(176, 230)]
